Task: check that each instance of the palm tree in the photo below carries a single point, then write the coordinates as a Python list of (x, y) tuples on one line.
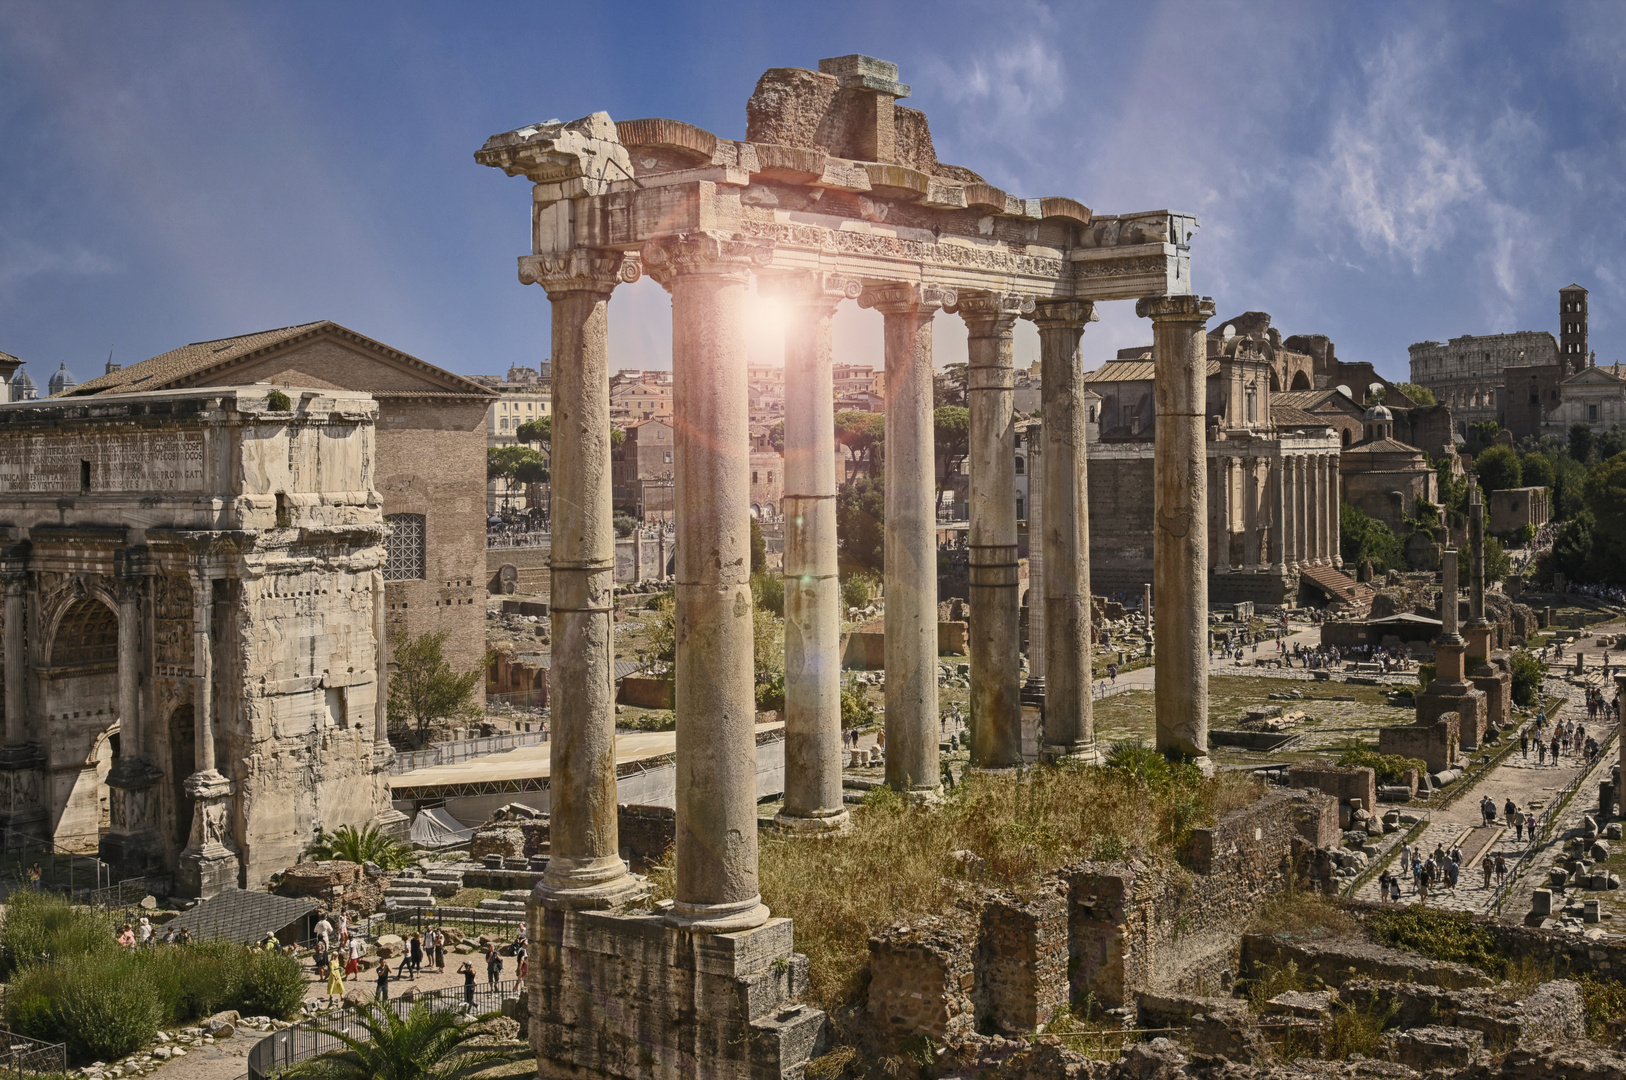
[(367, 844), (425, 1044)]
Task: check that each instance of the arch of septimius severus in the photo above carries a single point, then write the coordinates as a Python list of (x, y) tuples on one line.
[(834, 195)]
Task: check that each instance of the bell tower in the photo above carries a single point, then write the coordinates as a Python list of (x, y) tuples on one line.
[(1572, 335)]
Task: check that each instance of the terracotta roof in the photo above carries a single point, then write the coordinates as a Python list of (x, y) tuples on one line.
[(1382, 446), (1306, 399), (1288, 416), (8, 358), (202, 357), (1132, 371)]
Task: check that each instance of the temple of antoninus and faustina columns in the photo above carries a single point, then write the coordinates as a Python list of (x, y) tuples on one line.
[(834, 195)]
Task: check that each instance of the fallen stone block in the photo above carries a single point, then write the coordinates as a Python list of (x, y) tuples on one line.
[(1425, 1048)]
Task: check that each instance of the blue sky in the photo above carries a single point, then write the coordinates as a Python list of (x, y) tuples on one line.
[(1382, 173)]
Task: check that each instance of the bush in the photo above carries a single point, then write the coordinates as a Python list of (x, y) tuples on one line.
[(42, 924), (856, 589), (1528, 672), (856, 708), (771, 693), (768, 590), (104, 1008), (273, 985), (198, 980), (624, 524), (1390, 768), (1452, 936), (277, 401)]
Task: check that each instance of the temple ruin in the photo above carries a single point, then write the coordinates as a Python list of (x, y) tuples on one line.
[(193, 613), (835, 194)]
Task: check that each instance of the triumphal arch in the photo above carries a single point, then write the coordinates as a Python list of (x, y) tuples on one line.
[(834, 195), (191, 634)]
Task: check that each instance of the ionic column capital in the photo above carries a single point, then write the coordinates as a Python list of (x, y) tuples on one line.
[(1175, 307), (821, 289), (1061, 314), (993, 314), (704, 254), (904, 298), (579, 270)]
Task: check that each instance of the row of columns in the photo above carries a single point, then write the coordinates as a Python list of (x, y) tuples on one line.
[(707, 277), (1303, 520)]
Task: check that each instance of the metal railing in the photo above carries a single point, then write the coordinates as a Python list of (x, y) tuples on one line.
[(74, 873), (518, 539), (310, 1038), (1539, 837), (405, 922), (21, 1056), (449, 753)]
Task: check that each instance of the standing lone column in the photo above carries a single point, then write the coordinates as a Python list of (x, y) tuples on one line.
[(1069, 719), (812, 590), (585, 869), (1335, 510), (1179, 353), (996, 605), (910, 547), (1278, 513), (716, 702)]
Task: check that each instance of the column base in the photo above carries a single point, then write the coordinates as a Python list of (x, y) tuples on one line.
[(132, 845), (207, 866), (394, 824), (733, 918), (1085, 753), (202, 874), (588, 884), (810, 827), (1033, 691), (627, 996)]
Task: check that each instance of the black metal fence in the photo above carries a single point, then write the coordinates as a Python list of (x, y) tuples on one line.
[(21, 1056), (409, 921), (309, 1038), (38, 862)]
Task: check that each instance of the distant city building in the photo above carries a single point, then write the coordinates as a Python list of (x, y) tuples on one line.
[(641, 399), (525, 394), (10, 368), (61, 381), (642, 471)]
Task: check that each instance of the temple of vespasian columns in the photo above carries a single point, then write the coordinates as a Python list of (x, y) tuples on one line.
[(834, 194)]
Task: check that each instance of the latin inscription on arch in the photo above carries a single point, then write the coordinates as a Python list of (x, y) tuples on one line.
[(145, 461)]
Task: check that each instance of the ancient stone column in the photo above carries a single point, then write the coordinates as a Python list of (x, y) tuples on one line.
[(1069, 720), (911, 546), (585, 869), (996, 707), (207, 865), (381, 704), (1317, 510), (1179, 353), (130, 733), (813, 746), (1250, 514), (1034, 687), (16, 659), (1335, 509), (1620, 720), (716, 702), (1278, 513), (203, 668), (1222, 514), (1301, 523)]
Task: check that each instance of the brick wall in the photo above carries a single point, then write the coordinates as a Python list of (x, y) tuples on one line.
[(1341, 782)]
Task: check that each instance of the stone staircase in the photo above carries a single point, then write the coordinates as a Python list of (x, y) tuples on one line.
[(410, 896), (512, 900), (1339, 586)]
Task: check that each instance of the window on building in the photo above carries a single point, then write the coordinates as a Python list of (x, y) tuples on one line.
[(1021, 468), (404, 550), (770, 476), (1592, 412), (669, 457), (754, 479), (1021, 509)]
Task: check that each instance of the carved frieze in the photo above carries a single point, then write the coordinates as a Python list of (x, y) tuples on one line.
[(961, 256)]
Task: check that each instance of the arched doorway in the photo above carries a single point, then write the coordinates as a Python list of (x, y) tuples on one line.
[(1301, 380), (183, 762), (80, 706)]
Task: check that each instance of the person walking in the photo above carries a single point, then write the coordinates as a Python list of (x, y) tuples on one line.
[(352, 966), (1524, 744), (144, 933), (1510, 808), (319, 958), (383, 981), (324, 929), (1501, 868), (415, 955), (440, 950), (1518, 828), (1541, 753), (467, 971), (1451, 872), (1488, 867), (335, 984), (1554, 750)]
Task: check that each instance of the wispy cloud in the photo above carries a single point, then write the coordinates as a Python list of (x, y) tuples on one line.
[(21, 259)]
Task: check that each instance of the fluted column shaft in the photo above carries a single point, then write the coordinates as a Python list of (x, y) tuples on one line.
[(585, 869), (1179, 543), (1278, 513), (1335, 501), (203, 713), (1036, 556), (1069, 719), (1222, 513), (1323, 552), (996, 707), (381, 704), (1250, 513), (813, 744), (16, 660), (910, 575), (130, 726), (716, 704)]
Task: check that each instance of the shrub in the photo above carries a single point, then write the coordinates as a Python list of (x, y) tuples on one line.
[(367, 844), (197, 980), (1528, 673), (105, 1008), (273, 985), (856, 708), (855, 589), (771, 693), (277, 401), (1605, 1007), (1452, 936), (768, 590), (42, 924), (1390, 768), (625, 524)]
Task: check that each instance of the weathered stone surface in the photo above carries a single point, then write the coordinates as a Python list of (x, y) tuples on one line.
[(1434, 1047)]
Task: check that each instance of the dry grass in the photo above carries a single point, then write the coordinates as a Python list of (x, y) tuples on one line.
[(899, 861), (1299, 915)]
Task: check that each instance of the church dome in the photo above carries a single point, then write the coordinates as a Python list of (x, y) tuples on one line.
[(22, 387), (1379, 412), (61, 381)]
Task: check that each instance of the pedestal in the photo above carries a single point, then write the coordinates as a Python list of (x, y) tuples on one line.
[(207, 866), (131, 845), (627, 996), (1452, 692)]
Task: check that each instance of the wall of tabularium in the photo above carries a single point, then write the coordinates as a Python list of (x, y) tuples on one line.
[(304, 749), (431, 461)]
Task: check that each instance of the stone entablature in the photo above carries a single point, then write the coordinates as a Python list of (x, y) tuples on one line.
[(198, 575)]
